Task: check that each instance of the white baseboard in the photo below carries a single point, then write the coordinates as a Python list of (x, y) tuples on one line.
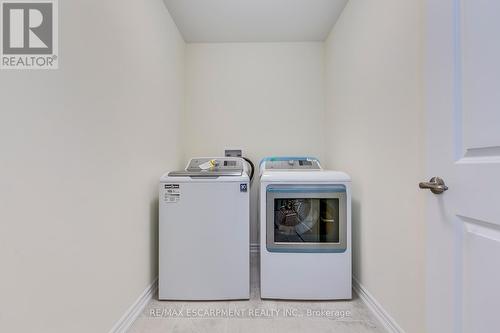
[(134, 311), (254, 248), (387, 321), (128, 318)]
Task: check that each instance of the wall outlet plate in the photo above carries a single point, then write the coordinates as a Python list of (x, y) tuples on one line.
[(233, 153)]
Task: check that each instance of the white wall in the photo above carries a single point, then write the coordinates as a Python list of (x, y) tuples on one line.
[(374, 111), (265, 98), (82, 149)]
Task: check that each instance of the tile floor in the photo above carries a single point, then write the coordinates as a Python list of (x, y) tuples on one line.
[(257, 315)]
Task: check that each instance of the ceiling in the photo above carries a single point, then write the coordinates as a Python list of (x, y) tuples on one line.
[(255, 20)]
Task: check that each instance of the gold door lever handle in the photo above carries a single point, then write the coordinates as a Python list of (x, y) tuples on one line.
[(436, 185)]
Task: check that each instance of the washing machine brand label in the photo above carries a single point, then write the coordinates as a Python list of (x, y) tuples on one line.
[(243, 187), (172, 193)]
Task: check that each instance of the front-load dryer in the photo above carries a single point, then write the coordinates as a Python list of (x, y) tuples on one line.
[(204, 240), (305, 230)]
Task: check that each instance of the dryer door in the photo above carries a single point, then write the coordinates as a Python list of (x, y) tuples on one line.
[(306, 218)]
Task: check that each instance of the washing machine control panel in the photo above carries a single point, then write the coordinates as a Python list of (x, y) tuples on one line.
[(213, 164)]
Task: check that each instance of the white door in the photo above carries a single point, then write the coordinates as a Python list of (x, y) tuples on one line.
[(463, 130)]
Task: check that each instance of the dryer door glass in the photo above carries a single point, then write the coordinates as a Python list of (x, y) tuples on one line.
[(306, 218)]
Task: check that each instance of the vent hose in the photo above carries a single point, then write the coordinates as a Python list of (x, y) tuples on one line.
[(252, 167)]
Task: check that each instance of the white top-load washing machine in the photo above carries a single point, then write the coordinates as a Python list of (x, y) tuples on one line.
[(305, 230), (204, 231)]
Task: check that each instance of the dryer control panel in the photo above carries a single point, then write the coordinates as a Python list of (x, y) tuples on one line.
[(292, 164)]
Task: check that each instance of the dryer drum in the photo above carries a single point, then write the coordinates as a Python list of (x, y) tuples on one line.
[(294, 216)]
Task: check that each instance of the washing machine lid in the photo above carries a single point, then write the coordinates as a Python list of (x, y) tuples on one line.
[(208, 167), (204, 173)]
